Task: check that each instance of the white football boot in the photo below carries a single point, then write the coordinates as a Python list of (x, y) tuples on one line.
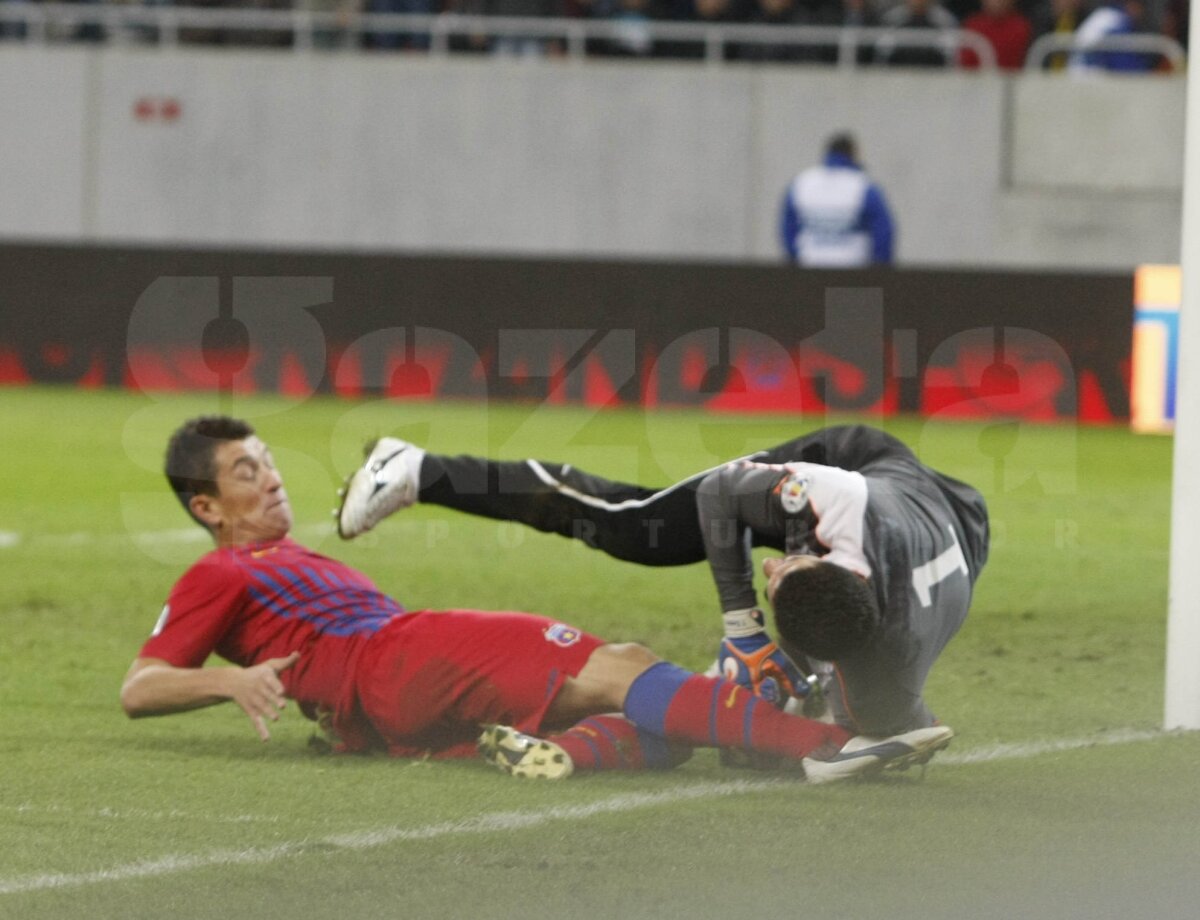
[(385, 483), (518, 754), (866, 756)]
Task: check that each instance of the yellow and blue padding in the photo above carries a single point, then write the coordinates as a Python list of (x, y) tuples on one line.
[(1157, 294)]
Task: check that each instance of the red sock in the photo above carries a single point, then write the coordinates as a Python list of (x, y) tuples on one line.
[(711, 712), (612, 742)]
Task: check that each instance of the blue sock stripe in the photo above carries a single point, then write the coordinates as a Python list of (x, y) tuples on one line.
[(713, 709), (600, 729), (748, 721), (599, 758), (651, 693)]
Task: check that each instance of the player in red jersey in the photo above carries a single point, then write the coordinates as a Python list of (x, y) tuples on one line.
[(298, 625)]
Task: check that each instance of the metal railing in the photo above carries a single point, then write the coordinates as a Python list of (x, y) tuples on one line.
[(48, 22), (1054, 43)]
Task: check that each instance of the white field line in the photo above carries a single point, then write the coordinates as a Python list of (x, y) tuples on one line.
[(1028, 749), (135, 814), (361, 840), (507, 821)]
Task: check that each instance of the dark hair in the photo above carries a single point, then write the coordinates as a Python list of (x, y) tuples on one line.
[(824, 611), (842, 144), (190, 465)]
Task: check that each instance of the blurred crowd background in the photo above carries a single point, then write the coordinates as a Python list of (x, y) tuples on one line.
[(1009, 26)]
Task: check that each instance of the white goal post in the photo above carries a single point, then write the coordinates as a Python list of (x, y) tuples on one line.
[(1182, 707)]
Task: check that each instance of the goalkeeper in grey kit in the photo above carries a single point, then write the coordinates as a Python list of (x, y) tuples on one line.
[(881, 552)]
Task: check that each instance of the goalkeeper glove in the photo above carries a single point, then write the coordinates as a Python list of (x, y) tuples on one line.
[(748, 657)]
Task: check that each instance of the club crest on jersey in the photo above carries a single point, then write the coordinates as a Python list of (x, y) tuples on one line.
[(562, 634), (793, 493)]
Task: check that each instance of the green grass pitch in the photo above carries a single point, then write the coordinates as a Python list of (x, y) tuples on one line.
[(1059, 798)]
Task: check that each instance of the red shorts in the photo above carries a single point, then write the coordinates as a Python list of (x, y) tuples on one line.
[(428, 680)]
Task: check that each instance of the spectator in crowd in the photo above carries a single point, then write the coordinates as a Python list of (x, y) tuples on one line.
[(196, 35), (834, 216), (11, 28), (1119, 17), (917, 14), (631, 26), (850, 14), (335, 34), (399, 41), (773, 13), (472, 42), (1175, 21), (1007, 30), (705, 12), (1058, 17), (237, 37), (524, 45), (959, 9), (86, 31), (263, 37)]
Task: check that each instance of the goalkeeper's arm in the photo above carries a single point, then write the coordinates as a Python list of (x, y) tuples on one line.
[(725, 501)]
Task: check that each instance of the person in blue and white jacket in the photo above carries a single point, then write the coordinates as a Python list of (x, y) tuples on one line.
[(834, 215), (1111, 19)]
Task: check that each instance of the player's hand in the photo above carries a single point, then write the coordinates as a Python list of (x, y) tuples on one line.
[(259, 691), (757, 663)]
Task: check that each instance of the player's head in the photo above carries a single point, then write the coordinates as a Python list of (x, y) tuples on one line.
[(225, 478), (844, 145), (822, 610)]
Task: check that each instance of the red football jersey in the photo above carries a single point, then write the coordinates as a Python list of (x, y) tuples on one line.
[(267, 600)]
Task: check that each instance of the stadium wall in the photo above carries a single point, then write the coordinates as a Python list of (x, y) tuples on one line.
[(595, 159), (948, 344)]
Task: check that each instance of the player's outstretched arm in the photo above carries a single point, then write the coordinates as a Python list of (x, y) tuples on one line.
[(154, 687)]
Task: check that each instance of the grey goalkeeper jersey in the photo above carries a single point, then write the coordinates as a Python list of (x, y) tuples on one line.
[(919, 536)]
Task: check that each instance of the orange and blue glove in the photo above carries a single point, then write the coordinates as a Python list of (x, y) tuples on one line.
[(750, 658)]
